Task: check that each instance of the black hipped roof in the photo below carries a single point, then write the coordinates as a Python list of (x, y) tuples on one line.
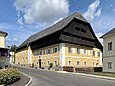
[(56, 27)]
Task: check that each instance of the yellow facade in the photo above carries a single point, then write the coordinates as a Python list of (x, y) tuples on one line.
[(47, 57), (84, 58), (2, 41), (21, 56)]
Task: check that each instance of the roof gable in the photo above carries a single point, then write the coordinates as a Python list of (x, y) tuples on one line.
[(56, 27)]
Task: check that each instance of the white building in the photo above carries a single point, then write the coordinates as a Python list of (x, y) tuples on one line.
[(109, 51), (11, 56)]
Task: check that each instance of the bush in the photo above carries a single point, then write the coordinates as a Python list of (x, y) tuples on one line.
[(9, 75)]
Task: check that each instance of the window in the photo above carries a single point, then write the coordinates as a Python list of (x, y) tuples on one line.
[(82, 30), (93, 63), (48, 51), (98, 54), (77, 62), (93, 53), (44, 52), (55, 62), (69, 63), (77, 28), (69, 50), (85, 63), (85, 51), (40, 52), (35, 52), (109, 65), (48, 62), (110, 46), (78, 50), (55, 50)]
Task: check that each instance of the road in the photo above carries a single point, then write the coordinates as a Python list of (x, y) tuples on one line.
[(50, 78)]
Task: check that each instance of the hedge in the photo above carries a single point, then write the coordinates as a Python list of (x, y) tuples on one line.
[(9, 75)]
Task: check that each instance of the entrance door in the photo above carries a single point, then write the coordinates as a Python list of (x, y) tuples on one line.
[(39, 63)]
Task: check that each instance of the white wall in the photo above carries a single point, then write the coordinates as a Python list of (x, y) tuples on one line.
[(105, 64), (108, 56), (62, 54), (106, 40), (2, 41)]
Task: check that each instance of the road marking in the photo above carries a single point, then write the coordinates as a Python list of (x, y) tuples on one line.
[(30, 81)]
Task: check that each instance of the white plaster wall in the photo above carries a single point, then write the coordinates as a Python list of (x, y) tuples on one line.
[(62, 54), (108, 56), (105, 64)]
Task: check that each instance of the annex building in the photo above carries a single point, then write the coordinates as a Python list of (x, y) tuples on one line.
[(70, 42), (109, 51), (3, 50)]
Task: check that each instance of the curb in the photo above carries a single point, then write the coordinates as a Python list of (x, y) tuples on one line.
[(30, 81)]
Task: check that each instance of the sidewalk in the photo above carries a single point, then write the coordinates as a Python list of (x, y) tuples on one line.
[(88, 75)]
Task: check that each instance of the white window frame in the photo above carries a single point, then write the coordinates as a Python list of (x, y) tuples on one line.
[(93, 63), (93, 54), (55, 61), (70, 49), (71, 62), (54, 49), (110, 46), (78, 50), (109, 65), (98, 54), (84, 62), (48, 62), (77, 61), (84, 52), (48, 49)]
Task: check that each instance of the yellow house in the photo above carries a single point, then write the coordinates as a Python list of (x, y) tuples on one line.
[(3, 50), (70, 42)]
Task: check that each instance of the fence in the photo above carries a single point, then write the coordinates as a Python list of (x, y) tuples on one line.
[(84, 69)]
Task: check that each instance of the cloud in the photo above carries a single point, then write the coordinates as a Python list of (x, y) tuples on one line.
[(93, 11), (103, 24), (15, 39), (20, 21), (41, 11), (114, 10), (98, 13)]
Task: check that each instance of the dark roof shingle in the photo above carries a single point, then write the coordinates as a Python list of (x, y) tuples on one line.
[(56, 27), (3, 33)]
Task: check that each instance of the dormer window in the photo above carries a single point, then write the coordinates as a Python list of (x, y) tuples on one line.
[(77, 28), (80, 29)]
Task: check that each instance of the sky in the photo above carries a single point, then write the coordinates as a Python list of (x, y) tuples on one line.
[(22, 18)]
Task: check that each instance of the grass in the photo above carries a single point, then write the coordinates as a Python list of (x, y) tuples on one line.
[(107, 74)]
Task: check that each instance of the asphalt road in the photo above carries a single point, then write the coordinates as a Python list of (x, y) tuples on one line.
[(50, 78)]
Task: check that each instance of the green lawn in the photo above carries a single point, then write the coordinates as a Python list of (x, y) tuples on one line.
[(108, 74)]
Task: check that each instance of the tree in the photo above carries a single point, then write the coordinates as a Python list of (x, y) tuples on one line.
[(13, 48)]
